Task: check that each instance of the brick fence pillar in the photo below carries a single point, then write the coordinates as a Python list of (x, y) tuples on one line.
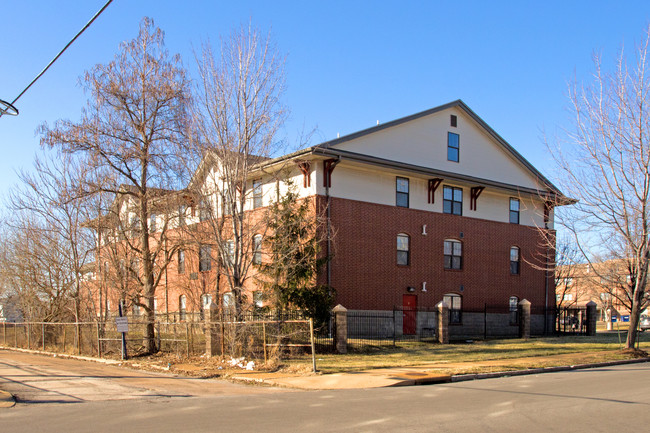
[(524, 318), (341, 326), (443, 322), (592, 317), (211, 334)]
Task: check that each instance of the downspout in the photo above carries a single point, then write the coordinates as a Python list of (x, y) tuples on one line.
[(546, 272), (329, 226)]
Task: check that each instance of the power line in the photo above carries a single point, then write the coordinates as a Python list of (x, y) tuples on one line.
[(60, 52)]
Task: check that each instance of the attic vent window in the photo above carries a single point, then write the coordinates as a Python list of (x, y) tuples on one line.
[(453, 120)]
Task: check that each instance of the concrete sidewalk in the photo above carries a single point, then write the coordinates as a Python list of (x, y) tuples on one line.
[(417, 375), (429, 373)]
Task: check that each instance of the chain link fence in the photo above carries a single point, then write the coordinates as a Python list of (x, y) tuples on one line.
[(258, 337)]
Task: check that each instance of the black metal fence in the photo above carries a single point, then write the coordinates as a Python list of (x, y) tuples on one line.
[(571, 320)]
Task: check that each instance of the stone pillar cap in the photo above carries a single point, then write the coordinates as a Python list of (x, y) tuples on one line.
[(524, 302), (340, 309), (442, 304), (591, 303)]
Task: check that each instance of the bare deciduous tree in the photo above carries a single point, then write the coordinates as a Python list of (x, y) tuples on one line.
[(237, 115), (606, 166), (131, 132)]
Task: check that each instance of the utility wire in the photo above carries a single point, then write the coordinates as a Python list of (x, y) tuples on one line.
[(61, 52)]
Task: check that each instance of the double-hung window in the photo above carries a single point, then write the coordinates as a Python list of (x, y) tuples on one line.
[(514, 210), (455, 304), (513, 304), (403, 249), (402, 192), (205, 259), (206, 300), (204, 210), (181, 261), (257, 249), (182, 307), (230, 252), (514, 260), (257, 194), (453, 252), (453, 147), (452, 200)]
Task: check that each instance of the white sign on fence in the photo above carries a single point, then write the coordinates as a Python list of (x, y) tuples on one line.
[(122, 324)]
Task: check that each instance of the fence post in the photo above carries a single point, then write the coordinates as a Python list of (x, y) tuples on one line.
[(210, 316), (264, 341), (187, 339), (313, 344), (341, 336), (592, 317), (43, 337), (524, 319), (29, 337), (99, 343), (443, 322)]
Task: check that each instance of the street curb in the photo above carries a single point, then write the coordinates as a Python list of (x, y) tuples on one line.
[(478, 376), (6, 400), (64, 355)]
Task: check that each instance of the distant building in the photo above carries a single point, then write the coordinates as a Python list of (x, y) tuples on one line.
[(9, 309), (607, 283)]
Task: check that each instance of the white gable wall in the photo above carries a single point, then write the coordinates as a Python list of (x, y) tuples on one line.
[(423, 142)]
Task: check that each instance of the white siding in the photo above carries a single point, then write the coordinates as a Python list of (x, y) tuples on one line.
[(356, 182), (423, 142)]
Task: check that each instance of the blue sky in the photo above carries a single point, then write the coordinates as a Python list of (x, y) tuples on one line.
[(349, 64)]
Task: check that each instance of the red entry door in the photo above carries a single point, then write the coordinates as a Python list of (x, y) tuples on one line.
[(409, 307)]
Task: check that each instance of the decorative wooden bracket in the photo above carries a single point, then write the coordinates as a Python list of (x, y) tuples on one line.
[(475, 192), (548, 206), (305, 167), (433, 186), (329, 165)]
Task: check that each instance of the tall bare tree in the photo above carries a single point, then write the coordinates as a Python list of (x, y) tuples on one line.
[(47, 200), (131, 130), (605, 164), (237, 115)]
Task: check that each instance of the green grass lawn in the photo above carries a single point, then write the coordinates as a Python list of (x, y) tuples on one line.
[(423, 354)]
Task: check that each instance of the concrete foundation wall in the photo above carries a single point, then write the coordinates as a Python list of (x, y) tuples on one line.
[(381, 324)]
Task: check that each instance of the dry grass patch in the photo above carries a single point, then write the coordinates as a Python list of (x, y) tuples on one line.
[(486, 355)]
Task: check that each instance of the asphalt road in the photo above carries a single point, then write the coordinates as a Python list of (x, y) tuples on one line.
[(593, 400)]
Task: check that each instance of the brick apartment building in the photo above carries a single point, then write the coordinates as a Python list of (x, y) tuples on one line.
[(607, 283), (428, 207)]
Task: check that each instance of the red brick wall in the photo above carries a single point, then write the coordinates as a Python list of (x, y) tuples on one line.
[(365, 274)]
